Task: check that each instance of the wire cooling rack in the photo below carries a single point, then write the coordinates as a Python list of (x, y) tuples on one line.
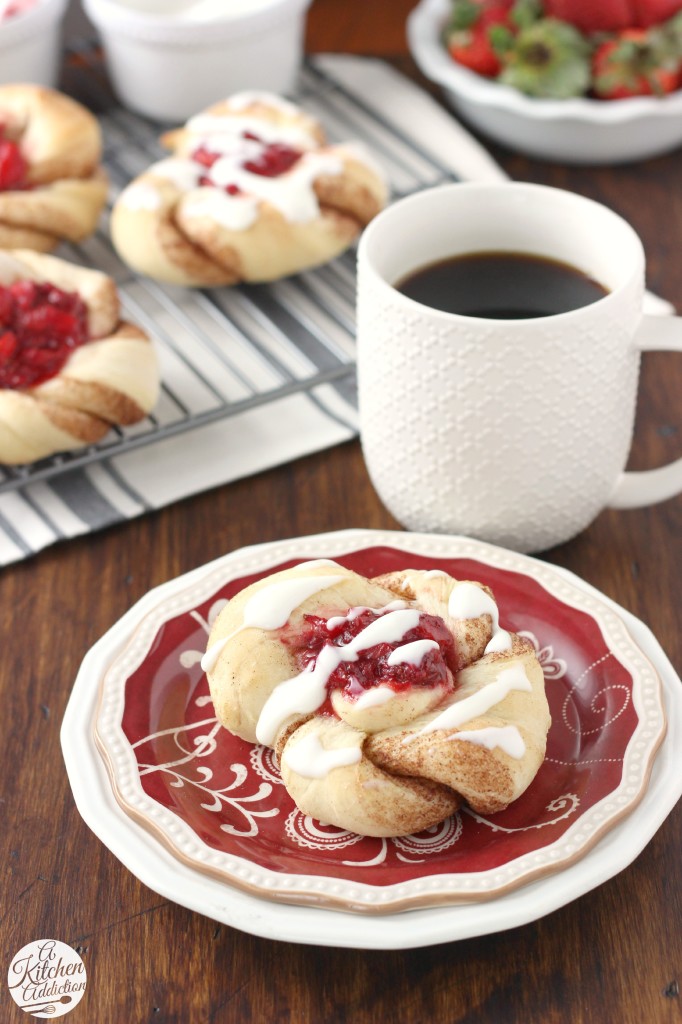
[(223, 351)]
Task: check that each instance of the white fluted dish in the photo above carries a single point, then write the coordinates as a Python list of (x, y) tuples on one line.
[(150, 798), (575, 131)]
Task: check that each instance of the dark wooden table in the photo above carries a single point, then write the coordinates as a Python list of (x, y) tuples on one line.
[(614, 955)]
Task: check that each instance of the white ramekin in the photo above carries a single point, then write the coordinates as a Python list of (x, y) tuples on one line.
[(30, 44), (169, 67)]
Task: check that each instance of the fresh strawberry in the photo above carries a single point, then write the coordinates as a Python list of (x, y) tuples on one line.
[(468, 36), (612, 15), (654, 12), (593, 15), (549, 59), (633, 64)]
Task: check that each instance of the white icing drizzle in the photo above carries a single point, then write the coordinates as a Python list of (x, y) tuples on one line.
[(309, 759), (316, 563), (183, 172), (412, 653), (375, 697), (506, 737), (210, 658), (338, 620), (271, 607), (236, 213), (307, 691), (291, 193), (142, 196), (430, 573), (468, 601), (478, 703), (225, 130)]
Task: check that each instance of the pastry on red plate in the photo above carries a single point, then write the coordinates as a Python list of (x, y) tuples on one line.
[(70, 368), (52, 187), (389, 701), (252, 192)]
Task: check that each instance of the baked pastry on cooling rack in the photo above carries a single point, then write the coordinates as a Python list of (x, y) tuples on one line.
[(69, 367), (52, 188), (251, 193), (390, 701)]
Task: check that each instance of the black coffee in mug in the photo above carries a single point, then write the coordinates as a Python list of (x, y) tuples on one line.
[(501, 286)]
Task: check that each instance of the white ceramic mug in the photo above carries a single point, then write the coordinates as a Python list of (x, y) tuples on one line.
[(513, 431)]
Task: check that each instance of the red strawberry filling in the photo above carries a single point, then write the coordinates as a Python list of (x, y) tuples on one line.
[(372, 667), (203, 156), (40, 326), (13, 166), (273, 159)]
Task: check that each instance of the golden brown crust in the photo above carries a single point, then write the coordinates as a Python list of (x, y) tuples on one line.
[(197, 256), (272, 246), (362, 797), (26, 238), (81, 425), (489, 780), (96, 397), (61, 142), (64, 210), (57, 135), (348, 195), (112, 379), (169, 225)]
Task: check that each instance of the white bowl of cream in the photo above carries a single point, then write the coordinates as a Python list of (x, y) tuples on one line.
[(169, 58)]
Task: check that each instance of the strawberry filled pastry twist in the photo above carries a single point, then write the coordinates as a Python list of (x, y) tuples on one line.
[(389, 701), (69, 367), (52, 188), (250, 193)]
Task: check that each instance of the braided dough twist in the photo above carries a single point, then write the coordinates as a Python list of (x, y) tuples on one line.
[(112, 379), (66, 187), (216, 222), (387, 759)]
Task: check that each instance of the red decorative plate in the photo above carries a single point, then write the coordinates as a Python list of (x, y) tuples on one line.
[(218, 805)]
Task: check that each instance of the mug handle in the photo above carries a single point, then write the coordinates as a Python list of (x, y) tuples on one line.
[(634, 490)]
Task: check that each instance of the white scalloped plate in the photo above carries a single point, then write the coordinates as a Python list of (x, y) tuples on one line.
[(161, 847)]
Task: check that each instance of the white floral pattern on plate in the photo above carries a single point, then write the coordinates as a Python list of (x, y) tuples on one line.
[(234, 822), (303, 830)]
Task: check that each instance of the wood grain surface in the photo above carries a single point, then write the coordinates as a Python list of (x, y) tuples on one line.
[(615, 955)]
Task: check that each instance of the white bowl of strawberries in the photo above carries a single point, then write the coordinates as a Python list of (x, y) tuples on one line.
[(573, 81)]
